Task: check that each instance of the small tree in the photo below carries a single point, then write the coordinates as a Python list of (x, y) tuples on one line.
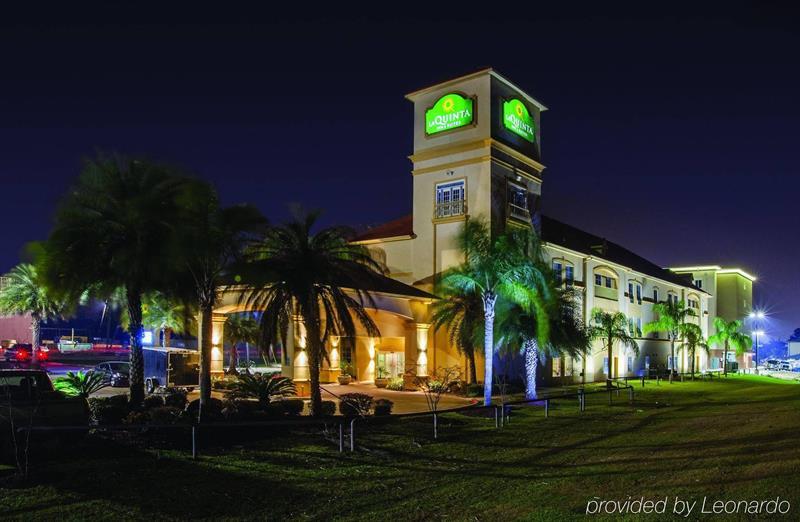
[(729, 335), (26, 293), (611, 328), (461, 314), (436, 385)]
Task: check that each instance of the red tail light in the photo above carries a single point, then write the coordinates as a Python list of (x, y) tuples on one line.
[(22, 355), (41, 355)]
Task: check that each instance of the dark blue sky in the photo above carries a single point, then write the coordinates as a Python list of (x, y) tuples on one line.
[(672, 132)]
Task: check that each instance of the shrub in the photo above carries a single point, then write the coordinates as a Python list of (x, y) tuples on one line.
[(345, 368), (164, 415), (328, 408), (175, 398), (354, 404), (153, 401), (263, 388), (474, 390), (136, 417), (214, 409), (396, 384), (293, 406), (79, 384), (109, 410), (383, 407)]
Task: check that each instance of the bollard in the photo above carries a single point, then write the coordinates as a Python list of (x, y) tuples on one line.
[(194, 442), (617, 392), (642, 381), (546, 408), (352, 435), (609, 397), (630, 394), (435, 427), (496, 420), (341, 437)]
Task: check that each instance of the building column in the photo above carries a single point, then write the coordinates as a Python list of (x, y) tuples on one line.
[(217, 343), (417, 335)]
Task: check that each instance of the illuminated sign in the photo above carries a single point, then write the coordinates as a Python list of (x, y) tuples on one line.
[(518, 120), (451, 111)]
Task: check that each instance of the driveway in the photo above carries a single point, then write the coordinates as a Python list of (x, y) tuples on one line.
[(404, 401)]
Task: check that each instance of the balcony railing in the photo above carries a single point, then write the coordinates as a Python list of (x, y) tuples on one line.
[(518, 212), (604, 291), (457, 207)]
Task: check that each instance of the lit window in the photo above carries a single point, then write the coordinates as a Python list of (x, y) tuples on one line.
[(518, 201), (556, 367), (450, 199)]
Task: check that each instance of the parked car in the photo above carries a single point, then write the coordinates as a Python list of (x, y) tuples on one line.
[(785, 366), (115, 373), (20, 354), (27, 399)]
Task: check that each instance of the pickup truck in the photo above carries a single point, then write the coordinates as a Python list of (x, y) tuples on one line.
[(27, 399)]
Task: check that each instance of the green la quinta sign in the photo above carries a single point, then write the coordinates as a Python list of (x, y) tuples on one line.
[(451, 111), (518, 120)]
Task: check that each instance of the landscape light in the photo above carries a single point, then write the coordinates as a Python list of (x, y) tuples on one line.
[(757, 315)]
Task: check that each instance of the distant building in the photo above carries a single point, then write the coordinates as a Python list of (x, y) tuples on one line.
[(794, 349)]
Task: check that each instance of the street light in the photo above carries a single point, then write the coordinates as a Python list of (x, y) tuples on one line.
[(757, 333), (756, 315)]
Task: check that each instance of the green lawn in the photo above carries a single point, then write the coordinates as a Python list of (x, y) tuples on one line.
[(734, 439)]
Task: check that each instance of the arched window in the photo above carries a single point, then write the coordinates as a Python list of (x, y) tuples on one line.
[(634, 291), (605, 283)]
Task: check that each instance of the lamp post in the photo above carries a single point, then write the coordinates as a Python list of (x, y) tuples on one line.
[(756, 316)]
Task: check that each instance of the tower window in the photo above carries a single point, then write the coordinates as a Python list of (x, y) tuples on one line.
[(451, 199), (518, 202)]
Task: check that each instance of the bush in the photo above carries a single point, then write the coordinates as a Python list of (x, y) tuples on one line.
[(136, 417), (383, 407), (175, 398), (292, 406), (355, 404), (153, 401), (474, 390), (328, 408), (214, 410), (240, 409), (109, 410), (396, 384), (265, 388), (164, 415)]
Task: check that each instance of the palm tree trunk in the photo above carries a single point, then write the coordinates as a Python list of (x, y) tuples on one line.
[(725, 360), (163, 337), (692, 356), (489, 299), (610, 363), (671, 357), (234, 361), (136, 384), (205, 329), (531, 367), (36, 339), (167, 336), (473, 372)]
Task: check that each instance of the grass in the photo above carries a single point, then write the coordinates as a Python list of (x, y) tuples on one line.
[(734, 439)]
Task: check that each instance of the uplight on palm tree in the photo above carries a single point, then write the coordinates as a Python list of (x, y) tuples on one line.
[(296, 271), (729, 335), (26, 293), (495, 267), (612, 329), (693, 339)]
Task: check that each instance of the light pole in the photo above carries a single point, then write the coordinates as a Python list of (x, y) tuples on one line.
[(756, 316)]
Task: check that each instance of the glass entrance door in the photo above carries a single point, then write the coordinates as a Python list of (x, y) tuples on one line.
[(390, 364)]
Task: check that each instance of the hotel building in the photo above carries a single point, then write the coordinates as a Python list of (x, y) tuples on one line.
[(477, 153)]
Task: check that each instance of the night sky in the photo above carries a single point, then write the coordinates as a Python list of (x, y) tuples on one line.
[(673, 133)]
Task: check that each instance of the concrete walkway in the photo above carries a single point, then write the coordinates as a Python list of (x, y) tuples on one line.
[(404, 401)]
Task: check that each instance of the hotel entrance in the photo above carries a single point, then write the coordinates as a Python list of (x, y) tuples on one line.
[(391, 364)]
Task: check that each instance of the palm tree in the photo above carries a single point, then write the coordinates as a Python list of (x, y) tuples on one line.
[(671, 316), (239, 328), (304, 274), (462, 317), (263, 388), (693, 337), (162, 314), (612, 328), (212, 243), (569, 337), (116, 228), (26, 293), (495, 267), (729, 335)]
